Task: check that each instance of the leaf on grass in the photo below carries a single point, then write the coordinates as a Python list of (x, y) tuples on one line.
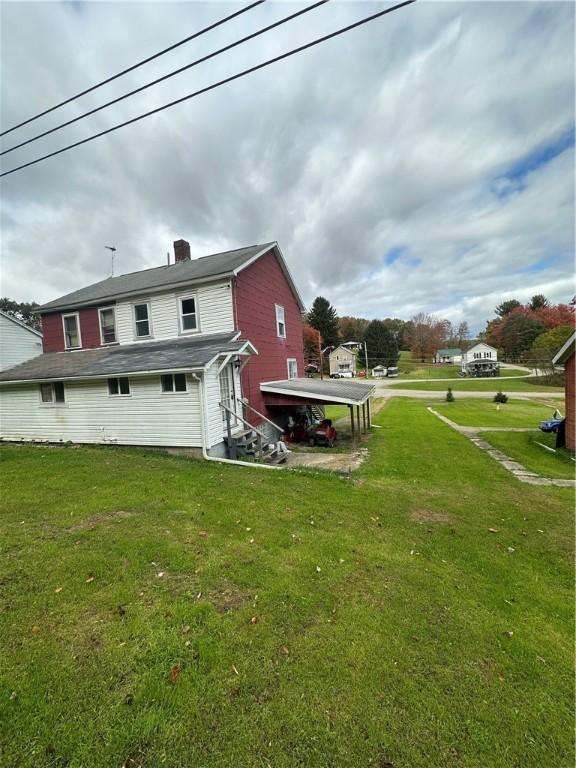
[(235, 670), (175, 673), (254, 620), (58, 589), (493, 530), (160, 574), (89, 579)]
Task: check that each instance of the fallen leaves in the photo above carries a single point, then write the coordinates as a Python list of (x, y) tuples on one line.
[(90, 579), (254, 620), (174, 674), (58, 589), (493, 530)]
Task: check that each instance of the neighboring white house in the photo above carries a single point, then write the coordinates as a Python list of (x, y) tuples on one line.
[(18, 342), (451, 356), (480, 360), (342, 360)]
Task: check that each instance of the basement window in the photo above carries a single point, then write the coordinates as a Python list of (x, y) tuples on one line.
[(52, 392), (173, 382), (118, 386)]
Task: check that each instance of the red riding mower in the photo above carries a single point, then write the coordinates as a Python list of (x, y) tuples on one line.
[(322, 434)]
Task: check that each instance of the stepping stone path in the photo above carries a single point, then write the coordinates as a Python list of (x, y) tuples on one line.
[(518, 470)]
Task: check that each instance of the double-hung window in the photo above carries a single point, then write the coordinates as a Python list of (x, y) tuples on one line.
[(119, 386), (71, 324), (142, 320), (107, 325), (188, 314), (173, 382), (280, 322), (292, 368), (52, 392)]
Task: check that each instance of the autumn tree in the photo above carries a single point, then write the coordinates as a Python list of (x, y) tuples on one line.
[(312, 341), (397, 328), (425, 334), (352, 328), (324, 319), (380, 345), (546, 346)]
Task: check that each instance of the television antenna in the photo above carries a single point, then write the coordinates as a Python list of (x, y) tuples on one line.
[(112, 250)]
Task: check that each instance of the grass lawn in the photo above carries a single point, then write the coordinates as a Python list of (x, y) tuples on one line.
[(160, 611), (484, 385), (484, 413), (523, 447), (336, 412)]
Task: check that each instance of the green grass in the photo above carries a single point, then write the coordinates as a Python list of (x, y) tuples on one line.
[(336, 412), (523, 447), (316, 621), (484, 385), (485, 413)]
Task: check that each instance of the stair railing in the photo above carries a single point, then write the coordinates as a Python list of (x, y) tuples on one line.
[(247, 405), (261, 437)]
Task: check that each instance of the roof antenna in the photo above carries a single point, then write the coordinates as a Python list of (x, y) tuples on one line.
[(112, 249)]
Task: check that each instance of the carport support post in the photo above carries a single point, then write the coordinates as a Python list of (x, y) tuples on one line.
[(364, 417), (351, 407), (358, 419), (369, 413)]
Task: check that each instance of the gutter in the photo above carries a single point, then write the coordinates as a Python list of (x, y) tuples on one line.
[(205, 455)]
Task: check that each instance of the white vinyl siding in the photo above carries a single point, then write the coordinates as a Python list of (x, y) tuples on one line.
[(214, 313), (90, 415), (17, 343), (214, 423)]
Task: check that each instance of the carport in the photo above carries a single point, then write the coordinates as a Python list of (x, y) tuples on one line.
[(355, 394)]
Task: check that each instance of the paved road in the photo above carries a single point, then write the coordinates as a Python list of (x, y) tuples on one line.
[(384, 391)]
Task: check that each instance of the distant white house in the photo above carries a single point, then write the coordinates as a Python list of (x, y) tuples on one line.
[(480, 360), (342, 361), (452, 356), (18, 342)]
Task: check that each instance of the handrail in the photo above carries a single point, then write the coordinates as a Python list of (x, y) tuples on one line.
[(244, 402), (243, 420)]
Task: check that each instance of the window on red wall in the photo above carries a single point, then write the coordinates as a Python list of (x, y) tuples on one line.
[(280, 322)]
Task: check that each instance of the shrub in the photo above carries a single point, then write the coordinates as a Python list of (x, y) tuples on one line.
[(500, 397), (450, 395)]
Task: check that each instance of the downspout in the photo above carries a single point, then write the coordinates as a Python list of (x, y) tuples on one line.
[(203, 426)]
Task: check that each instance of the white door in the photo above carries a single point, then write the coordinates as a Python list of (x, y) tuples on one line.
[(228, 396)]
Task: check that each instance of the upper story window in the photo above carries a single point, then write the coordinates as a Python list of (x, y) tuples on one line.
[(52, 392), (280, 322), (71, 324), (119, 386), (173, 382), (142, 322), (292, 368), (107, 325), (188, 314)]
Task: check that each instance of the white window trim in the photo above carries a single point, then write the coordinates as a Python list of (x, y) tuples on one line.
[(292, 360), (179, 299), (77, 316), (102, 342), (278, 321), (120, 394), (173, 391), (52, 403), (150, 326)]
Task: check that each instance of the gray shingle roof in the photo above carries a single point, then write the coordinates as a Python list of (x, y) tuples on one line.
[(184, 353), (340, 391), (194, 270)]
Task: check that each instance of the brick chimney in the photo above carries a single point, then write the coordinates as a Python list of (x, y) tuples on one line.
[(181, 251)]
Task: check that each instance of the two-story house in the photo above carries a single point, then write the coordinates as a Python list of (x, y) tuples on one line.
[(18, 342), (480, 360), (170, 356)]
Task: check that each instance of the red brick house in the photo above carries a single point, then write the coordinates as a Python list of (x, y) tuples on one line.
[(566, 357)]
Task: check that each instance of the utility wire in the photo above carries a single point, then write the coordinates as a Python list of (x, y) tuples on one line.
[(167, 76), (138, 64), (230, 79)]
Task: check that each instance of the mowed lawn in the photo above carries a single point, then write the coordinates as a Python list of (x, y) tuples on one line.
[(485, 413), (510, 384), (529, 448), (161, 611)]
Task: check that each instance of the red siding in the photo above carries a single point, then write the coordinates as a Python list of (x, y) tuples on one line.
[(53, 332), (257, 290), (570, 385)]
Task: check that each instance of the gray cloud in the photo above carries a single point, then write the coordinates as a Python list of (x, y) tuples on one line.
[(420, 131)]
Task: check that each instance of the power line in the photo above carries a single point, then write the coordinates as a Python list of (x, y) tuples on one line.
[(138, 64), (167, 76), (226, 80)]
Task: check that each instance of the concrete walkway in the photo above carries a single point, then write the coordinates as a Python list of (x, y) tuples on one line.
[(518, 470)]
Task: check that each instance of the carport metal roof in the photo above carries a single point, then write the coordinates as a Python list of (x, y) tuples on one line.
[(318, 390)]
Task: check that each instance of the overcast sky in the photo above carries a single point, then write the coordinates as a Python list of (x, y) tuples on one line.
[(424, 161)]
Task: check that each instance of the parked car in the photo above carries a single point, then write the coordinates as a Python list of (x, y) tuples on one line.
[(550, 425), (342, 375)]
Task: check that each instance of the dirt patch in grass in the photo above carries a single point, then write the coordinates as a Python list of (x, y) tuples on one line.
[(228, 598), (429, 516), (89, 523)]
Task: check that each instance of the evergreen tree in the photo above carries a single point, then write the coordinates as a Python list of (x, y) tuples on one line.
[(381, 345), (539, 301), (506, 307), (323, 317)]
